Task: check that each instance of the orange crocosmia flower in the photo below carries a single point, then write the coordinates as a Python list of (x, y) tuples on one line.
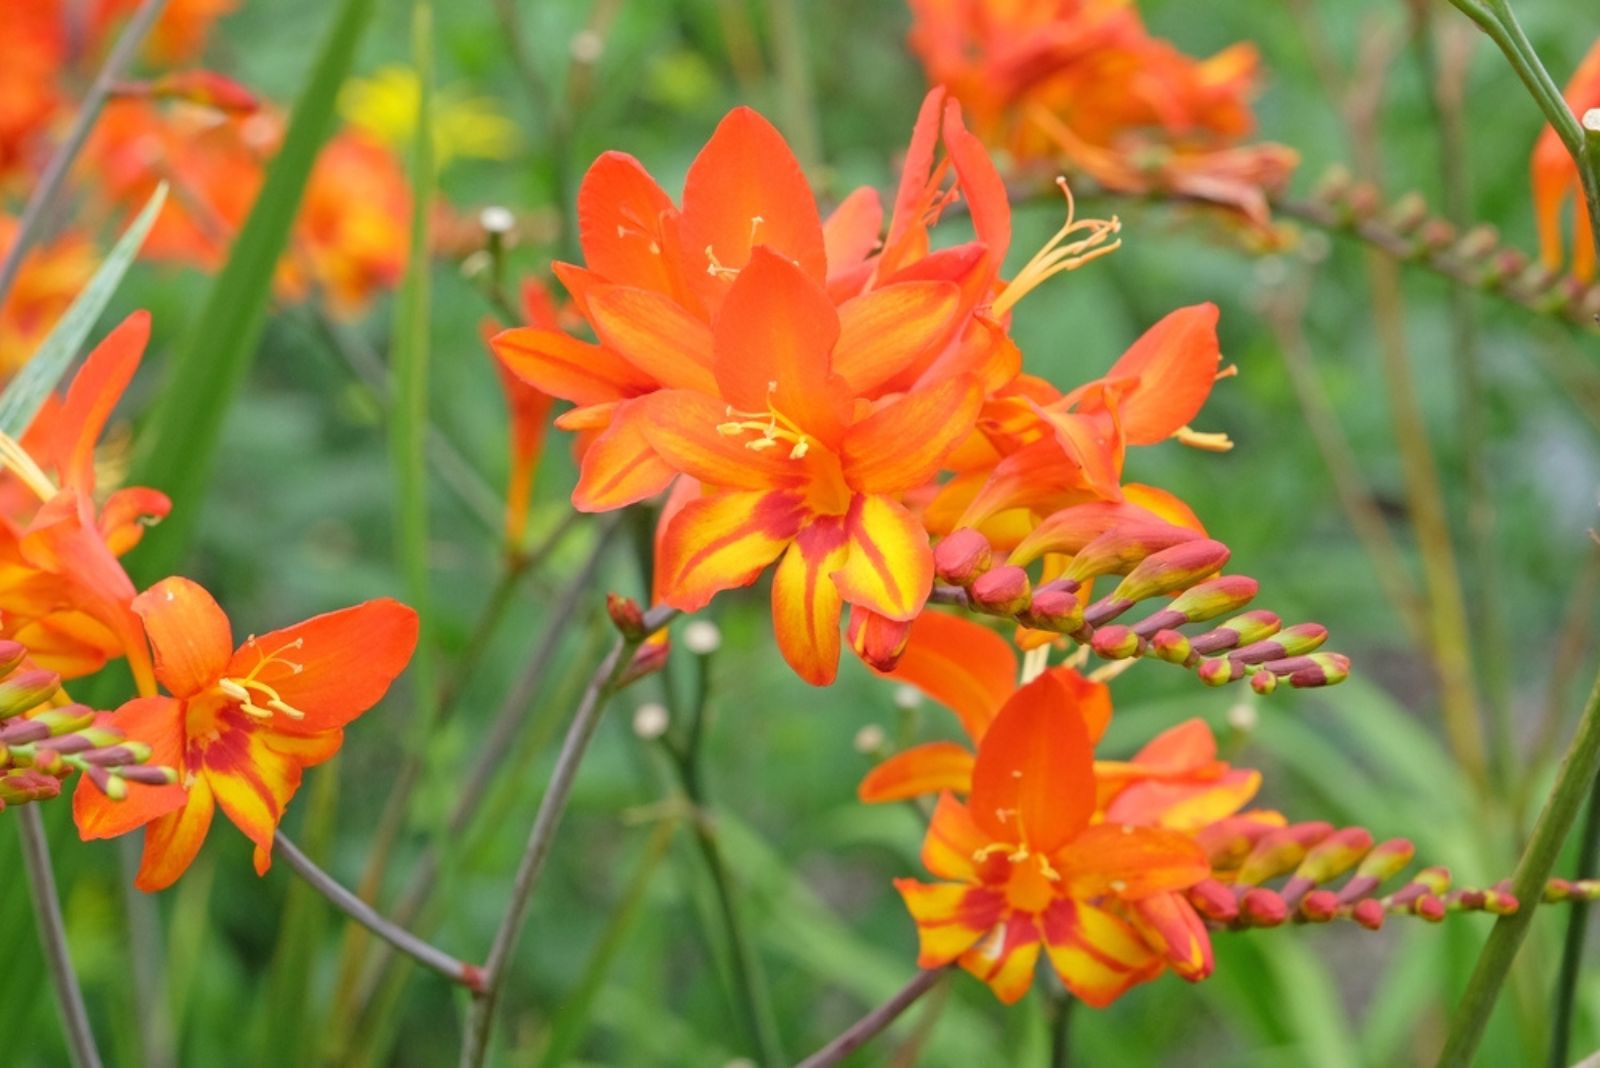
[(1555, 179), (33, 49), (656, 278), (529, 409), (241, 725), (63, 594), (180, 33), (352, 239), (52, 274), (1028, 870), (1082, 82), (798, 464)]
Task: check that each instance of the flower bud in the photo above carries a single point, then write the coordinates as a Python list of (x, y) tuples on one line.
[(1122, 548), (25, 690), (1240, 630), (1115, 642), (1263, 682), (1002, 591), (876, 639), (627, 615), (1319, 906), (962, 556), (1260, 907), (1212, 598), (1290, 642), (1171, 569), (1281, 851), (1171, 645), (1219, 671), (1055, 607), (1213, 900), (1368, 912), (702, 637)]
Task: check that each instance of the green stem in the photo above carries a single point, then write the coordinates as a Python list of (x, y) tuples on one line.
[(1577, 929), (53, 937), (750, 993), (1496, 19), (1573, 782), (1061, 1030)]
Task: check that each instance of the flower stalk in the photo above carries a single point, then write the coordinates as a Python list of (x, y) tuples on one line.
[(53, 936)]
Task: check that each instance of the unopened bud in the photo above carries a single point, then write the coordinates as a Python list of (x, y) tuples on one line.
[(1219, 671), (876, 639), (871, 740), (1263, 682), (1242, 629), (1243, 717), (1171, 645), (962, 556), (1436, 879), (496, 219), (627, 615), (1213, 900), (25, 690), (1319, 906), (11, 654), (1429, 908), (647, 660), (1172, 569), (1281, 851), (1115, 642), (1055, 606), (1290, 642), (1260, 907), (1210, 599), (1121, 549), (1368, 912), (1324, 669), (1002, 590)]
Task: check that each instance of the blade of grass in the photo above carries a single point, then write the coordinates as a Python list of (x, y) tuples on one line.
[(182, 430), (47, 366)]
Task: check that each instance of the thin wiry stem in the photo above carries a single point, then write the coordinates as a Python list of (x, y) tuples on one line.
[(1577, 931), (864, 1029), (53, 938), (55, 172), (425, 953), (606, 681), (1573, 783)]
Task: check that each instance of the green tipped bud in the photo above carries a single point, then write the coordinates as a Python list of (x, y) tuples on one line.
[(1436, 879), (1055, 606), (1281, 851), (1172, 646), (1325, 669), (962, 556), (1242, 629), (1387, 859), (1335, 855), (149, 775), (11, 654), (1500, 903), (26, 690), (1429, 908), (1219, 671), (1115, 642), (1121, 549), (1169, 570), (1215, 597), (1263, 682), (1002, 591)]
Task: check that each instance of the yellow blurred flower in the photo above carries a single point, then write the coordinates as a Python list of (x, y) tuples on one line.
[(464, 127)]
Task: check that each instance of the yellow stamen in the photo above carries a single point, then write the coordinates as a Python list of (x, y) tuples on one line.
[(771, 425), (1207, 442), (715, 268), (14, 456), (1059, 254), (256, 698)]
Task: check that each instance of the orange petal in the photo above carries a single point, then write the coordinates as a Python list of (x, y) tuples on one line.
[(620, 208), (1007, 957), (1163, 505), (888, 329), (890, 566), (953, 841), (681, 428), (93, 395), (850, 234), (981, 186), (565, 367), (961, 664), (252, 781), (332, 667), (1175, 362), (1131, 862), (907, 237), (1097, 954), (1185, 806), (655, 334), (722, 541), (1035, 767), (1171, 923), (158, 723), (172, 841), (902, 445), (923, 769), (1092, 699), (774, 342), (806, 604), (950, 917), (745, 189), (189, 634), (620, 467)]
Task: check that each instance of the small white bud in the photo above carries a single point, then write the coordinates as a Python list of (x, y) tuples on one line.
[(650, 721), (702, 637), (1591, 120), (496, 219), (907, 698), (871, 739), (1243, 717), (586, 46)]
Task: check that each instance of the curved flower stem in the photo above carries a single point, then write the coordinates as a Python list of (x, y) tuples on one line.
[(1573, 782), (610, 677), (425, 953), (53, 937), (1572, 944), (864, 1029), (1496, 19), (55, 172), (1061, 1029), (750, 987)]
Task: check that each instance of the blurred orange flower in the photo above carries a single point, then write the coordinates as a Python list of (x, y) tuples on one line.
[(242, 724), (51, 275), (1555, 179), (1082, 83)]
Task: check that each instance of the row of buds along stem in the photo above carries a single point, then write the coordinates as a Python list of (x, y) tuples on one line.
[(1309, 857), (1154, 560), (1407, 231), (42, 742)]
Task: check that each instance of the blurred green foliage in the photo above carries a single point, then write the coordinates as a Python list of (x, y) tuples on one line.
[(298, 518)]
